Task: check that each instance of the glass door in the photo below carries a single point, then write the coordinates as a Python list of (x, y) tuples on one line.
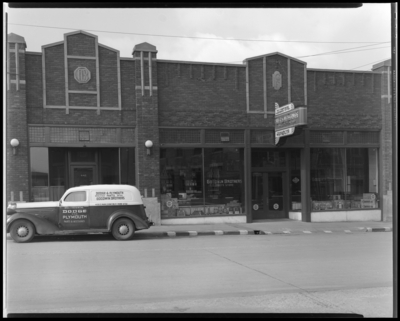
[(268, 195), (83, 175), (275, 198)]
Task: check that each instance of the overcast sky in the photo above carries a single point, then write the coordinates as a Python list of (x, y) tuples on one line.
[(366, 26)]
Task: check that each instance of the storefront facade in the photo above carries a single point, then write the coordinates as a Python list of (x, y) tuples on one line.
[(82, 115)]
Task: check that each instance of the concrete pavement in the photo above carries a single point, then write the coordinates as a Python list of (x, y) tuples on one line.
[(267, 227)]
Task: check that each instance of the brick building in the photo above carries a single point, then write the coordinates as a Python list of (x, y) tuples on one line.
[(82, 115)]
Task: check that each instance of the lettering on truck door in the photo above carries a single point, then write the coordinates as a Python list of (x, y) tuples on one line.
[(74, 211)]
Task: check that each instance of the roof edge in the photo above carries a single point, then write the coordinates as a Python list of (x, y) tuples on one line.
[(276, 53)]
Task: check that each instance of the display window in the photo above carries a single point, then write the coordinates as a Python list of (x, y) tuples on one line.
[(344, 178), (201, 181), (40, 174), (295, 179), (54, 170)]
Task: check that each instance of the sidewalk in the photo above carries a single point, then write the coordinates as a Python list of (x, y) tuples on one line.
[(267, 227)]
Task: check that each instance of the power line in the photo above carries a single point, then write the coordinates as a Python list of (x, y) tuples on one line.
[(324, 53), (370, 63), (186, 37), (335, 52)]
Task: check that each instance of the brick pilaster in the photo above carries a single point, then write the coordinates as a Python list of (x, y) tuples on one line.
[(147, 166), (17, 175)]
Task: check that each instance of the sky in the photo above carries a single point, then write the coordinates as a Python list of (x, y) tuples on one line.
[(299, 33)]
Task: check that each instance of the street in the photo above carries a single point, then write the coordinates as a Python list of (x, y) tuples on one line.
[(319, 273)]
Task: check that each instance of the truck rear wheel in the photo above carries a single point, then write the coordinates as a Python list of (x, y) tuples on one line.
[(22, 231), (123, 229)]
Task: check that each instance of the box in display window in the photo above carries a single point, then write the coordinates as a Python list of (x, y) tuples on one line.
[(368, 203), (296, 205), (322, 205)]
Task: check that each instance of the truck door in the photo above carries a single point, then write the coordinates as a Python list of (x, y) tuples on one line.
[(74, 211)]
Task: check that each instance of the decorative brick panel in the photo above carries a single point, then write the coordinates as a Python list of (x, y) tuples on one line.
[(34, 81), (75, 85), (55, 75), (128, 99), (37, 135), (180, 136), (214, 136), (81, 45), (71, 135), (128, 135), (108, 77)]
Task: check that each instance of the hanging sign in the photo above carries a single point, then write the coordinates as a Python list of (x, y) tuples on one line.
[(287, 118), (283, 109)]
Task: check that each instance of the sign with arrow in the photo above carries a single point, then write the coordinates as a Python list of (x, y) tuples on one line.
[(287, 118)]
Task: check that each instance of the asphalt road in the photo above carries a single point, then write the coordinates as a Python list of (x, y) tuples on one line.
[(331, 273)]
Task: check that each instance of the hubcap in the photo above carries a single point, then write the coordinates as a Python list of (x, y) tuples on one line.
[(22, 231), (123, 229)]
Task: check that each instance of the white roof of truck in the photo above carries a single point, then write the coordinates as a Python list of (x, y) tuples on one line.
[(104, 187), (108, 188)]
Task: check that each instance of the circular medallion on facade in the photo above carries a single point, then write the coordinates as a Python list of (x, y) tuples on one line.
[(276, 206), (295, 180), (169, 203), (255, 207), (82, 75)]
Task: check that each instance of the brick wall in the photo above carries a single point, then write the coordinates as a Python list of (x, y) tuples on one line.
[(147, 166), (55, 75), (108, 61), (201, 95), (80, 45), (343, 100), (17, 166)]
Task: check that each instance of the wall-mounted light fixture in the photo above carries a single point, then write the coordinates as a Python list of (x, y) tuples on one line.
[(149, 145), (14, 144)]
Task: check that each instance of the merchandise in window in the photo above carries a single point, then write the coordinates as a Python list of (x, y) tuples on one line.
[(190, 189), (224, 180), (344, 178), (295, 179), (181, 182)]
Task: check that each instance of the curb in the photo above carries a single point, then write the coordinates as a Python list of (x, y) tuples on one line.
[(261, 232), (378, 229)]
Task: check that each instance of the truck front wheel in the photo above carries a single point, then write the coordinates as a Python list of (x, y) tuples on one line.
[(22, 231)]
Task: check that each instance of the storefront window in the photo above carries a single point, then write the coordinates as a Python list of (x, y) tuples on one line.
[(262, 157), (181, 182), (58, 182), (40, 174), (190, 189), (362, 177), (340, 178), (224, 178), (127, 156), (295, 179), (109, 173)]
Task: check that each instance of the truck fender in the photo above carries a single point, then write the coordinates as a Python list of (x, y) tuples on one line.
[(139, 222), (42, 226)]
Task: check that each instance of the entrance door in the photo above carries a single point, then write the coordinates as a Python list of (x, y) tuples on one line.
[(83, 175), (268, 197)]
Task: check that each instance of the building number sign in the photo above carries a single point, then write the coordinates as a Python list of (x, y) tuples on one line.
[(82, 75)]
